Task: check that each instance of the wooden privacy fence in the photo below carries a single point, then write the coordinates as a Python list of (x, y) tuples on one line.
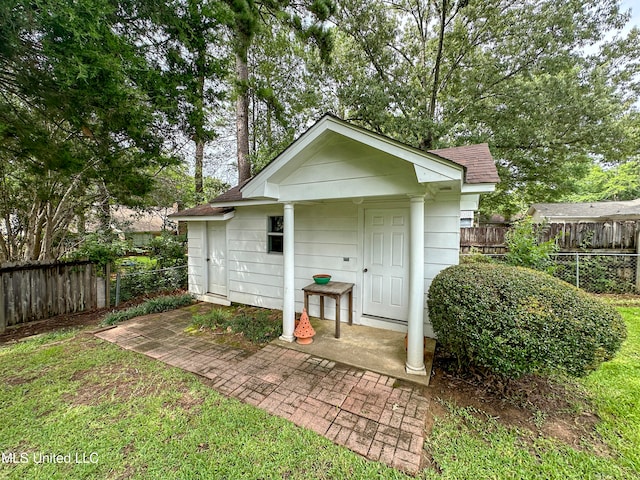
[(37, 291), (571, 237)]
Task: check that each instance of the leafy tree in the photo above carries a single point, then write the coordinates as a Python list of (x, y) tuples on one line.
[(287, 88), (306, 21), (74, 126), (174, 185), (185, 43), (101, 248), (437, 73), (618, 182)]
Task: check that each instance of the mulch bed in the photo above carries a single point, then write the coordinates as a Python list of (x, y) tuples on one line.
[(85, 319)]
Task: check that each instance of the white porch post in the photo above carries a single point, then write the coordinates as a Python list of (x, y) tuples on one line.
[(415, 333), (289, 306)]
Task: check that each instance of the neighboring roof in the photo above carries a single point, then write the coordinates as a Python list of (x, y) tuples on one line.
[(601, 210), (141, 221), (477, 159)]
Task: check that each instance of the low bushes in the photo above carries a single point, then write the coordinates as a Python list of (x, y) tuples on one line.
[(155, 305), (256, 325), (145, 281), (513, 321)]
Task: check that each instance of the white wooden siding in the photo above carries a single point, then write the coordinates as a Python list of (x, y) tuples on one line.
[(347, 171), (324, 236), (442, 240), (255, 276), (195, 262)]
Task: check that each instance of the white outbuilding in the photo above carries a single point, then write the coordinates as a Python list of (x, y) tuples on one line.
[(345, 201)]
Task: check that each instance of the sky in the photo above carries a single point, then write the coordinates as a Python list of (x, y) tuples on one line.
[(634, 6)]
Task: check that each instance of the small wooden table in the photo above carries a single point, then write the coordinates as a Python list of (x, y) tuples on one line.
[(334, 290)]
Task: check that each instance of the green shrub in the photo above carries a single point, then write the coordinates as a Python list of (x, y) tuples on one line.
[(155, 305), (525, 247), (256, 326), (217, 317), (168, 250), (476, 256), (513, 321), (102, 249), (137, 283)]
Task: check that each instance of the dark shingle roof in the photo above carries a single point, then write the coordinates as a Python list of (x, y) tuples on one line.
[(232, 195), (477, 160), (202, 211)]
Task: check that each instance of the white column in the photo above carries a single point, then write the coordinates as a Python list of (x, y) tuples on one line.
[(415, 333), (289, 306)]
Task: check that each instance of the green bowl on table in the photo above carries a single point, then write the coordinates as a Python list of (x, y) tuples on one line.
[(322, 278)]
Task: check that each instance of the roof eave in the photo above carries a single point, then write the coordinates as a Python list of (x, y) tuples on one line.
[(204, 218), (478, 187)]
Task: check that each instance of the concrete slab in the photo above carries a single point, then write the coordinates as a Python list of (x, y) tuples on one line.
[(373, 349)]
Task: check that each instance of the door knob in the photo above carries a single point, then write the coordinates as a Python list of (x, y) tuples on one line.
[(365, 270)]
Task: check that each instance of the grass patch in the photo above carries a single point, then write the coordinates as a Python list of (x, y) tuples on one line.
[(155, 305), (257, 325), (466, 443), (616, 390), (70, 393), (143, 419), (136, 262)]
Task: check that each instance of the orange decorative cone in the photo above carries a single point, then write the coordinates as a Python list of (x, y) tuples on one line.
[(304, 332)]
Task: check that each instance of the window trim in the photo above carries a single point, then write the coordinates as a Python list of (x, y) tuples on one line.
[(271, 234)]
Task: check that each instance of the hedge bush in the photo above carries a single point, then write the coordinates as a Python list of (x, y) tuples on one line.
[(513, 321)]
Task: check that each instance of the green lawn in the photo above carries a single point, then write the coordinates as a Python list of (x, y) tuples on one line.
[(466, 445), (69, 393)]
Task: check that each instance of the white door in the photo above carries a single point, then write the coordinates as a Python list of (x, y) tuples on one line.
[(217, 257), (386, 263)]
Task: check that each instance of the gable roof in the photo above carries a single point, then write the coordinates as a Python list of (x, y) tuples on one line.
[(477, 160), (601, 210)]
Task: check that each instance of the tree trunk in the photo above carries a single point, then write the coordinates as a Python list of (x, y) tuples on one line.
[(436, 67), (242, 118), (428, 142), (199, 136), (198, 174), (102, 209)]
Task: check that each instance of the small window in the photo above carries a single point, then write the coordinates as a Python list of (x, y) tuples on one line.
[(275, 235), (466, 222)]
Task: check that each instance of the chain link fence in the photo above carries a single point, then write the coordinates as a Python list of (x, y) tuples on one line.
[(595, 272), (135, 283), (599, 272)]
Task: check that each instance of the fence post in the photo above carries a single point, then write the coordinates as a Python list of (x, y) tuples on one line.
[(107, 285), (3, 318), (638, 257), (577, 270), (117, 289)]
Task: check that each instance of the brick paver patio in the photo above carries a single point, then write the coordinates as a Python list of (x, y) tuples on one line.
[(361, 410)]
